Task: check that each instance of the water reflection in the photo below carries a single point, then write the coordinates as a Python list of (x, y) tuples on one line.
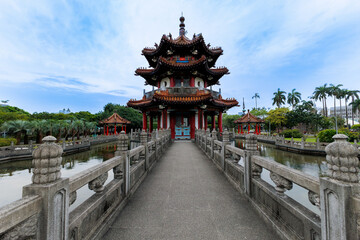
[(16, 174), (312, 165)]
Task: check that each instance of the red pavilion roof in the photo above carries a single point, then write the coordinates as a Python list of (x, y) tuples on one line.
[(249, 118), (115, 119)]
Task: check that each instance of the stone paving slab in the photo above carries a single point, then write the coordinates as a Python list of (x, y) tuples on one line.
[(186, 197)]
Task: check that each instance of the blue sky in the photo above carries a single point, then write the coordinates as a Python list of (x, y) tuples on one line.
[(83, 54)]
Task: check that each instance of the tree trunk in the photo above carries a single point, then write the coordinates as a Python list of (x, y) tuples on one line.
[(346, 113), (326, 111), (26, 138), (353, 112), (340, 109), (18, 137), (334, 106)]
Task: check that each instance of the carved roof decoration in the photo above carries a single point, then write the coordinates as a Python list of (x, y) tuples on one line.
[(249, 118), (200, 97), (115, 119)]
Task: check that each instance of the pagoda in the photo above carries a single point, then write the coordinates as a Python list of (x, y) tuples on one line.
[(112, 123), (183, 71)]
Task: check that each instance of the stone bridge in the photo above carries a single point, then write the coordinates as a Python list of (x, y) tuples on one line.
[(185, 190)]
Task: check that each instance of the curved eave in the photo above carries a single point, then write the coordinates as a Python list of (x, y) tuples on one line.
[(139, 103), (180, 42), (226, 103)]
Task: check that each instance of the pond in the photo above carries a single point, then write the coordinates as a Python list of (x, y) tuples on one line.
[(312, 165), (16, 174)]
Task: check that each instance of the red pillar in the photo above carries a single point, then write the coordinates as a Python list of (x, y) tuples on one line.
[(115, 129), (107, 130), (164, 119), (125, 128), (159, 121), (242, 130), (144, 121), (199, 118), (220, 122), (248, 128), (213, 121), (256, 129), (205, 121), (104, 129), (151, 123), (239, 128), (259, 129)]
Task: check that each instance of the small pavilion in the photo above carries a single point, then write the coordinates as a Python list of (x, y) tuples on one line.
[(112, 123), (248, 120)]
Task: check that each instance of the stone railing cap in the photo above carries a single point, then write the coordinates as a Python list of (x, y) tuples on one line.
[(49, 139), (340, 137)]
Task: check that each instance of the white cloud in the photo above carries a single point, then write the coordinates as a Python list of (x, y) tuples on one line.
[(100, 44)]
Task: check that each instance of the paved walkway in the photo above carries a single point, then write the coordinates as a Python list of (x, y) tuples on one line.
[(186, 197)]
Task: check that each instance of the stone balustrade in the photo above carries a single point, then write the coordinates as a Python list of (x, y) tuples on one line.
[(44, 211), (25, 151), (336, 195)]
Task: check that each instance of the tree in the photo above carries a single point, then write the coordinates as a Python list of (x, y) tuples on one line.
[(279, 98), (277, 117), (355, 105), (260, 112), (352, 94), (304, 116), (335, 92), (17, 127), (228, 120), (320, 93), (293, 98), (256, 96)]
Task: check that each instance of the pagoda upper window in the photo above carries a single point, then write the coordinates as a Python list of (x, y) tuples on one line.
[(165, 82), (177, 82), (199, 83)]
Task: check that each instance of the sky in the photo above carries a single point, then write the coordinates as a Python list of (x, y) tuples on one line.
[(82, 55)]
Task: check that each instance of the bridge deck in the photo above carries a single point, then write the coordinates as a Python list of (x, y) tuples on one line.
[(186, 197)]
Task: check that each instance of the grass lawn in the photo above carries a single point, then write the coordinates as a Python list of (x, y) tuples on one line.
[(310, 139)]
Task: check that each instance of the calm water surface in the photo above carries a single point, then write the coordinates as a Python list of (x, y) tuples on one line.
[(14, 175), (312, 165)]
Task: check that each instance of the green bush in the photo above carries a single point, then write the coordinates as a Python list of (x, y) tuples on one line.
[(352, 136), (6, 141), (356, 127), (326, 135), (295, 133)]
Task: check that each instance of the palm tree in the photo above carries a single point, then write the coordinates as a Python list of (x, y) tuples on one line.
[(39, 127), (352, 94), (341, 95), (256, 96), (293, 98), (335, 92), (279, 98), (77, 126), (17, 127), (355, 105), (89, 127), (320, 93)]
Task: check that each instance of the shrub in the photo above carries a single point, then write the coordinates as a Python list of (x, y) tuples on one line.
[(326, 135), (352, 136), (356, 127), (6, 141), (295, 133)]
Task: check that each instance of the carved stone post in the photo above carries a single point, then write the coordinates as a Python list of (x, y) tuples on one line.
[(317, 143), (226, 141), (251, 170), (144, 154), (53, 189), (337, 191), (123, 170), (213, 138), (302, 143)]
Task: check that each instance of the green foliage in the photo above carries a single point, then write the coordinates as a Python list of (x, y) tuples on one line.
[(130, 114), (305, 115), (295, 133), (259, 112), (353, 136), (326, 135), (277, 117), (356, 127), (228, 120), (6, 141)]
